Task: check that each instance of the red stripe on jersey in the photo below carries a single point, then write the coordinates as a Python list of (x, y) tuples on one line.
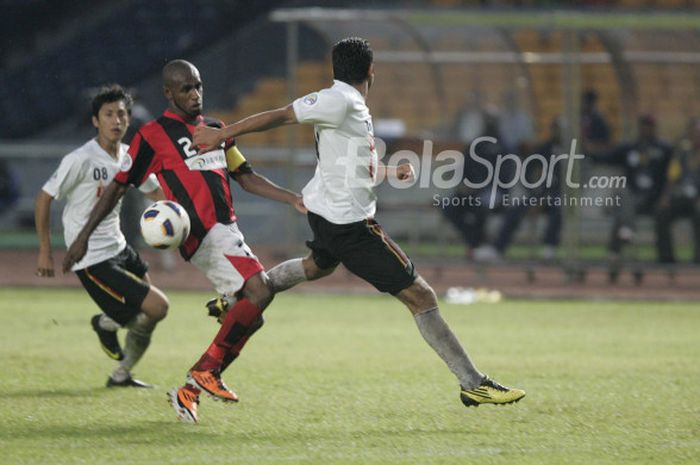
[(246, 266), (162, 146), (143, 162)]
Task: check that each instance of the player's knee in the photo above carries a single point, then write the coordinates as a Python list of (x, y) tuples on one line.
[(426, 295), (419, 296), (155, 305), (258, 290), (263, 297)]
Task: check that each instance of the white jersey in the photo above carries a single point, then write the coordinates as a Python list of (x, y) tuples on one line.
[(342, 189), (81, 178)]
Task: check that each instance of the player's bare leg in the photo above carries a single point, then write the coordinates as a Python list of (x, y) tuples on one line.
[(421, 300), (476, 388), (281, 277)]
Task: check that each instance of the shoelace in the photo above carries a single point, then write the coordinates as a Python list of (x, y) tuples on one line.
[(491, 383), (215, 376), (191, 397)]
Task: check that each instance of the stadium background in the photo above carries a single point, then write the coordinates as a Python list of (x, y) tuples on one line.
[(433, 59)]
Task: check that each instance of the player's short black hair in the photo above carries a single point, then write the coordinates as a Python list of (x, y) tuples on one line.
[(108, 94), (352, 58)]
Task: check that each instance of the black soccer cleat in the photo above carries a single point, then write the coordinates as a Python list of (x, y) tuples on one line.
[(108, 340), (218, 308), (128, 382)]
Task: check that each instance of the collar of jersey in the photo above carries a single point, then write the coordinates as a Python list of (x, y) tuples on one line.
[(175, 116), (348, 87), (98, 148)]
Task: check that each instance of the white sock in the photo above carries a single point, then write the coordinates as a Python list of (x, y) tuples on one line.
[(287, 274), (439, 336)]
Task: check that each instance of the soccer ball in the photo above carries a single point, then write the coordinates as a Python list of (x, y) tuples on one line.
[(165, 225)]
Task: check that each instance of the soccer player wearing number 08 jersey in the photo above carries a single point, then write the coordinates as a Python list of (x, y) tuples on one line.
[(112, 273), (200, 183), (341, 203)]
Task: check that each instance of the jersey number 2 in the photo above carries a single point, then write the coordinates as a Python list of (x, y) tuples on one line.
[(186, 144)]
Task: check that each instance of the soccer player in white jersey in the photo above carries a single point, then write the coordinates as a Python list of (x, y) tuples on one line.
[(341, 204), (111, 272)]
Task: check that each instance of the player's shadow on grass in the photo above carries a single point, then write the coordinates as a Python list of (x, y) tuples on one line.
[(55, 393)]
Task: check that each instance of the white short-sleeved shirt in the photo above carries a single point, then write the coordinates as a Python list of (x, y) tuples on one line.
[(81, 178), (342, 189)]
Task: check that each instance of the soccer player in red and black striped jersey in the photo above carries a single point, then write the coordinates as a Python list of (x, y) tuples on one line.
[(200, 183)]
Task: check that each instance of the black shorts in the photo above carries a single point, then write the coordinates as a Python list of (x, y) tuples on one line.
[(117, 285), (365, 249)]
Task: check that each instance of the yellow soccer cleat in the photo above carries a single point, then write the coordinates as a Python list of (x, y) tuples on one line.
[(490, 392)]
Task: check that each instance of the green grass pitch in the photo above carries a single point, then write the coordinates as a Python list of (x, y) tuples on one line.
[(348, 380)]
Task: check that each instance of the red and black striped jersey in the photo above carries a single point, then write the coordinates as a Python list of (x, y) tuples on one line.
[(200, 183)]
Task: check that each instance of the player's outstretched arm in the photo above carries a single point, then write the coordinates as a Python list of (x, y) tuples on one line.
[(207, 138), (260, 185), (106, 204), (42, 220)]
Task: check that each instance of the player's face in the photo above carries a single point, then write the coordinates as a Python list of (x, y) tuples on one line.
[(112, 121), (187, 94)]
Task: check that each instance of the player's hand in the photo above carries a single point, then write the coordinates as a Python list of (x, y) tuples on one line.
[(298, 203), (405, 172), (206, 138), (76, 251), (44, 266)]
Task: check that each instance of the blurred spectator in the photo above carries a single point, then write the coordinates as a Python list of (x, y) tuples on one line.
[(140, 115), (469, 209), (645, 162), (515, 214), (595, 132), (471, 119), (9, 188), (681, 195), (515, 126)]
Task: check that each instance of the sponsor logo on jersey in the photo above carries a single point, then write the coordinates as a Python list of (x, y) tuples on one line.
[(207, 161)]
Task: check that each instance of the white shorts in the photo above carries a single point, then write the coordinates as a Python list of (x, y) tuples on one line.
[(225, 258)]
